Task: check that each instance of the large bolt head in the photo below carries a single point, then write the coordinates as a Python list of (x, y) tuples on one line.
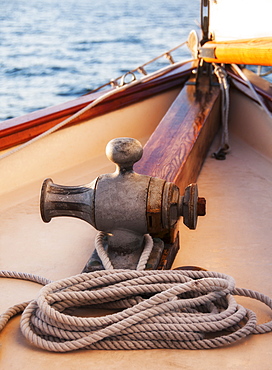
[(191, 206)]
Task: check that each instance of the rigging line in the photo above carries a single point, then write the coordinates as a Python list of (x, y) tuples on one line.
[(63, 123), (163, 55), (94, 103), (141, 66)]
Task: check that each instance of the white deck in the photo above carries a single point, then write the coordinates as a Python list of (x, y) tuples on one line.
[(234, 238)]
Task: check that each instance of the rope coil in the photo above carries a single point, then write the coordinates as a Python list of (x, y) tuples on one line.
[(155, 309)]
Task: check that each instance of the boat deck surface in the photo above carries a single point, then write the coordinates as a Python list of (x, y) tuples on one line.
[(233, 238)]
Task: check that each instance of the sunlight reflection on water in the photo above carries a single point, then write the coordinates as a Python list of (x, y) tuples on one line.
[(53, 51)]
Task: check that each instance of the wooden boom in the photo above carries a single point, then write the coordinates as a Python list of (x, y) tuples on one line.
[(252, 51)]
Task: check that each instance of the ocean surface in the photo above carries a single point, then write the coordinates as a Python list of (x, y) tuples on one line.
[(52, 51)]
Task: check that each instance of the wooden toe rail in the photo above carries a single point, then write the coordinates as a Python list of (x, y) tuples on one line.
[(19, 130)]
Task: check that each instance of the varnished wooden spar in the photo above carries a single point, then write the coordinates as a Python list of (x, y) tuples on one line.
[(18, 130), (177, 148), (252, 51)]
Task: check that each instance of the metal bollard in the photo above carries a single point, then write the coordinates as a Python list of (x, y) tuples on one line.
[(125, 205)]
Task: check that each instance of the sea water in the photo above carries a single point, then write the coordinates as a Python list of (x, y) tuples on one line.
[(52, 51)]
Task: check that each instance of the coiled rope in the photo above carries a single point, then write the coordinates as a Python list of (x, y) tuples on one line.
[(153, 309)]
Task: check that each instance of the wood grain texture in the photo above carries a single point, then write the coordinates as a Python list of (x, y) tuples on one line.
[(177, 148)]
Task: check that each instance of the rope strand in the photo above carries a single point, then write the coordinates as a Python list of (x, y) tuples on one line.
[(103, 255), (157, 309)]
